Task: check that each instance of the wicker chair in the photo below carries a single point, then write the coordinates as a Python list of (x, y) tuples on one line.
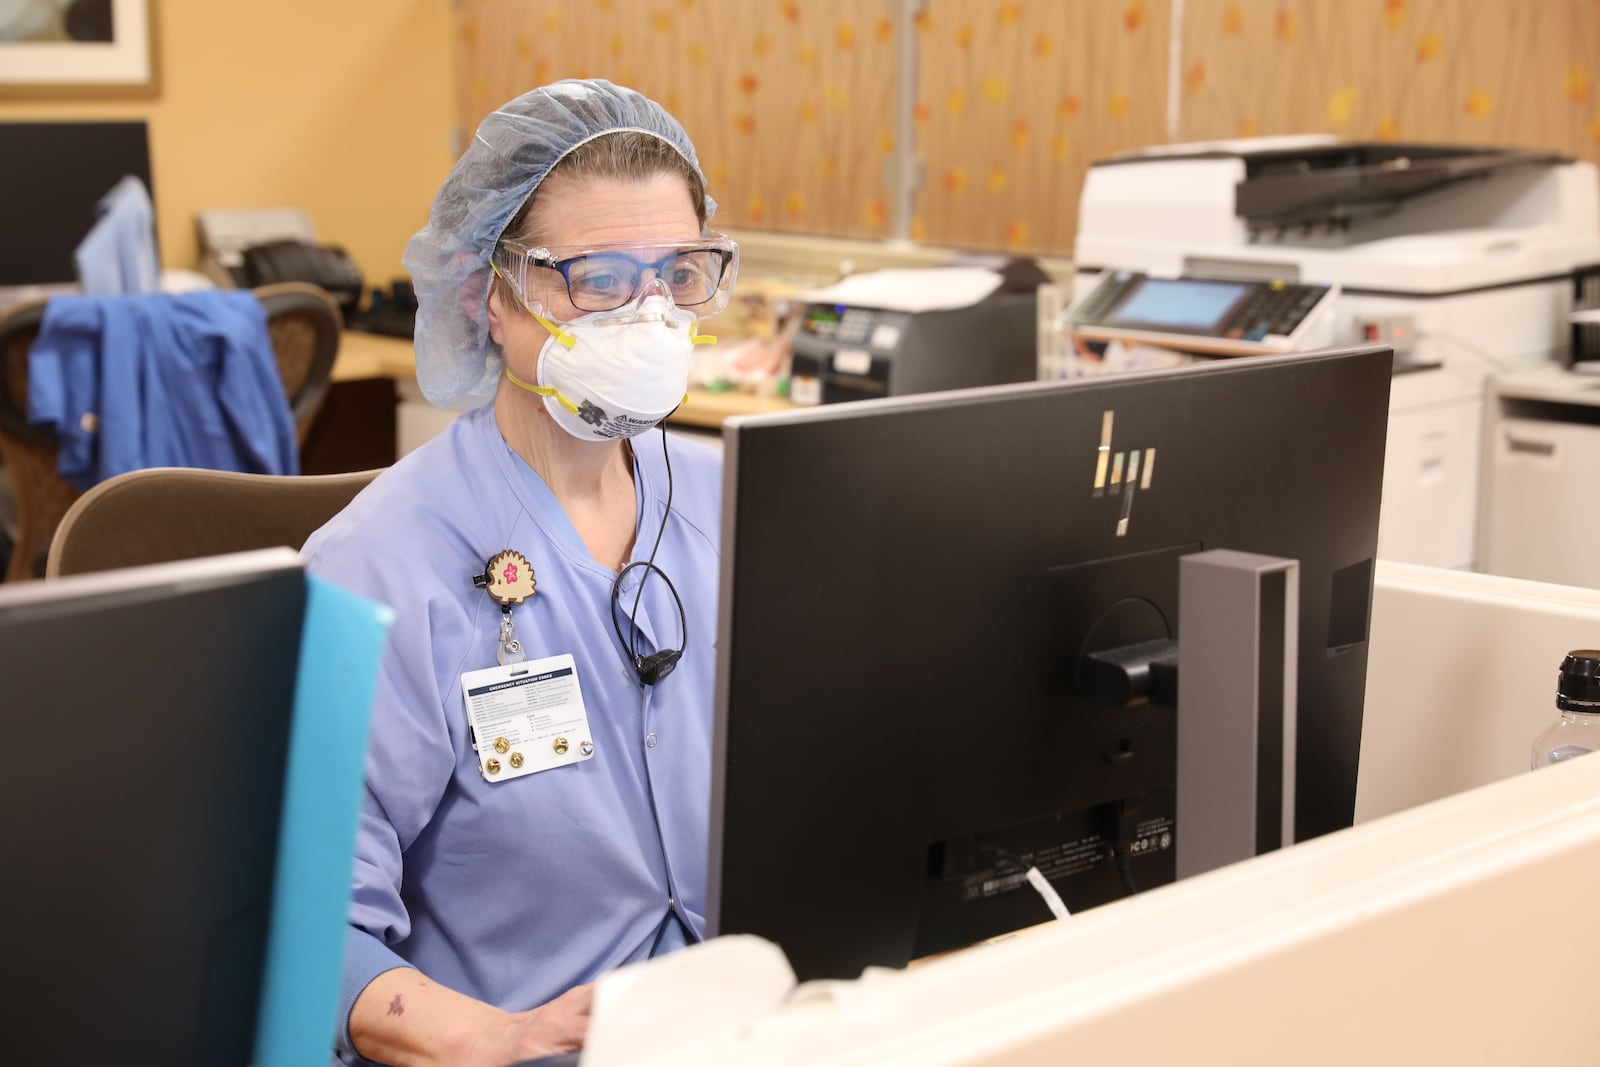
[(303, 322)]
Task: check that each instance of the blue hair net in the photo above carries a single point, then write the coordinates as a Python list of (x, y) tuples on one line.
[(458, 363)]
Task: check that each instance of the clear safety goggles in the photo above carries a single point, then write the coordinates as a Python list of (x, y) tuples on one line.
[(698, 274)]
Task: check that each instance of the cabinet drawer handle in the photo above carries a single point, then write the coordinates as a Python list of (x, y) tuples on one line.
[(1535, 448)]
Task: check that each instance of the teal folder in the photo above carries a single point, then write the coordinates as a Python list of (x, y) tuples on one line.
[(341, 643)]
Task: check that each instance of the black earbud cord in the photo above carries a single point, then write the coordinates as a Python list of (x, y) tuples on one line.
[(656, 666)]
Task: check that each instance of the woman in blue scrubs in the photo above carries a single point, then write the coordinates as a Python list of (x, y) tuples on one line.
[(537, 777)]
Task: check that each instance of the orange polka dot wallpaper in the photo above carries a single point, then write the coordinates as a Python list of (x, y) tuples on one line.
[(1512, 72), (1015, 98), (792, 102)]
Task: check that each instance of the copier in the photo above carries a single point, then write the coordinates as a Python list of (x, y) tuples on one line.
[(1462, 258)]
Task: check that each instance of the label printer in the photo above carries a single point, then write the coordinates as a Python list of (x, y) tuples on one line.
[(889, 333)]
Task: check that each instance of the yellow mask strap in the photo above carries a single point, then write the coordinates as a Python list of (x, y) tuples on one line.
[(698, 338), (541, 390), (546, 390), (563, 338)]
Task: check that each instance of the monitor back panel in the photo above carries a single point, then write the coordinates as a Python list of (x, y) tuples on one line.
[(908, 590), (143, 768)]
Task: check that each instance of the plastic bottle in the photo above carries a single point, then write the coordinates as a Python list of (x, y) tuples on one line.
[(1577, 732)]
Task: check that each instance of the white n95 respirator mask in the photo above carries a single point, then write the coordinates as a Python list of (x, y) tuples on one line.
[(615, 374)]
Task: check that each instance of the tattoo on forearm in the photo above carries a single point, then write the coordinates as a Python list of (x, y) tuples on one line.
[(396, 1007)]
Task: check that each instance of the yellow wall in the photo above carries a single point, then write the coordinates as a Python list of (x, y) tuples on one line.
[(341, 108)]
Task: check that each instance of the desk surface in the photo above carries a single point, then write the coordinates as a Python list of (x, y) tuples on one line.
[(705, 408), (371, 355), (1552, 383), (368, 355)]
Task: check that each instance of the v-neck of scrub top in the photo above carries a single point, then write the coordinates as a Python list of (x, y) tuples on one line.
[(547, 513)]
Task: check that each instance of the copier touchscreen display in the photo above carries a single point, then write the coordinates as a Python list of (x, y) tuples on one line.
[(1193, 305)]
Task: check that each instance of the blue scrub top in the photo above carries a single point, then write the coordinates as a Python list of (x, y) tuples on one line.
[(514, 891)]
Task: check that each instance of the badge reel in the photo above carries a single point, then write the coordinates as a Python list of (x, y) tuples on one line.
[(509, 580), (526, 715)]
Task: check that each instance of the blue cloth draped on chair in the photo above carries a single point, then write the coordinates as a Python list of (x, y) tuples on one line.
[(160, 380)]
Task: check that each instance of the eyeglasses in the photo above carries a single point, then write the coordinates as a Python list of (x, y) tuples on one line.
[(698, 274)]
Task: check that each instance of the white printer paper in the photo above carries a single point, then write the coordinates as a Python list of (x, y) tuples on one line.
[(931, 289)]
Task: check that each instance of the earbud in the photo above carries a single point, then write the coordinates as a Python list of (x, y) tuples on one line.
[(656, 666)]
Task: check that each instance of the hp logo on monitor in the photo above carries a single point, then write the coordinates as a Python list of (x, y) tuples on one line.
[(1121, 473)]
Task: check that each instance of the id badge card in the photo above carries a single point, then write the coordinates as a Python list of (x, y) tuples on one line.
[(527, 717)]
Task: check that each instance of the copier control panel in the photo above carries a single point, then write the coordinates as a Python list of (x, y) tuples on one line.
[(1211, 315)]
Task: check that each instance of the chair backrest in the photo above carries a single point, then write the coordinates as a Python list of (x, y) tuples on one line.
[(28, 454), (304, 324), (172, 513)]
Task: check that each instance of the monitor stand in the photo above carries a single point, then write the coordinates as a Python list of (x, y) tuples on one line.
[(1238, 620)]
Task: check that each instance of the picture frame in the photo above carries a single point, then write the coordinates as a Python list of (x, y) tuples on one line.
[(79, 48)]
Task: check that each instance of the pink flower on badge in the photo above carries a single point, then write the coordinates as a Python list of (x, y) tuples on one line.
[(510, 573)]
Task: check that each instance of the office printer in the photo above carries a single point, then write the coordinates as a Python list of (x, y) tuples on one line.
[(1462, 258), (884, 334), (248, 248)]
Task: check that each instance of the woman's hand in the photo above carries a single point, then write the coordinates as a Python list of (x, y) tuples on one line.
[(403, 1018), (558, 1026)]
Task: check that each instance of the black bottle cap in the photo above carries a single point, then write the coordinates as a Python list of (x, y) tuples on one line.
[(1578, 688)]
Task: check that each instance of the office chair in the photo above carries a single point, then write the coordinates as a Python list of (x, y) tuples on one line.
[(303, 323), (171, 513)]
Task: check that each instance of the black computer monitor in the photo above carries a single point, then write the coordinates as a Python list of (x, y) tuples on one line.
[(909, 589), (147, 717), (55, 176)]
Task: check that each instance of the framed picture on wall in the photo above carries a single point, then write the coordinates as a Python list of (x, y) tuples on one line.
[(51, 48)]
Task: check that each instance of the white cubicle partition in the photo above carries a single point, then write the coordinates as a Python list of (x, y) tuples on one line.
[(1445, 927), (1452, 933), (1461, 675)]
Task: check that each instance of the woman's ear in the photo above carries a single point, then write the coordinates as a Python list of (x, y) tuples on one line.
[(496, 313)]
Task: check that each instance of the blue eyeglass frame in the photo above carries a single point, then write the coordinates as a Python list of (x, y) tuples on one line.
[(563, 266)]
